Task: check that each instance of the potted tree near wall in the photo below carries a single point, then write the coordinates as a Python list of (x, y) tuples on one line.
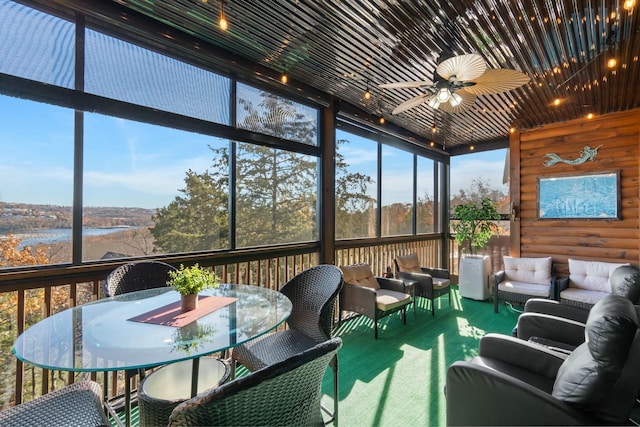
[(189, 281), (476, 223)]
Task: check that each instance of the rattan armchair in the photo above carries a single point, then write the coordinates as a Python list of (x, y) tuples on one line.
[(430, 282), (78, 404), (313, 294), (523, 279), (372, 296), (286, 393)]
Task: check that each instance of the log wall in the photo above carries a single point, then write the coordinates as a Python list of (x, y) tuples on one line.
[(600, 240)]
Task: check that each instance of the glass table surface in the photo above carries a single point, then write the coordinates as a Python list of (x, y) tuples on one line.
[(99, 337)]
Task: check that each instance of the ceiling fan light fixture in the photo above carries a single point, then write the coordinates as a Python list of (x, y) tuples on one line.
[(443, 95), (434, 102), (455, 100)]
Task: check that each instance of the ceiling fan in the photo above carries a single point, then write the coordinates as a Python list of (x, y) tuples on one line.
[(462, 79)]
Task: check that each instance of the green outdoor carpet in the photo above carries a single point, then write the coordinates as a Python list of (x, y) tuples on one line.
[(398, 379)]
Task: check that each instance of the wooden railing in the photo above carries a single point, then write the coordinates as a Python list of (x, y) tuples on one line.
[(28, 296)]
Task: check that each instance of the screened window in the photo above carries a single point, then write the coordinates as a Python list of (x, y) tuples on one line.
[(150, 189), (425, 191), (120, 70), (35, 45), (267, 113), (276, 193), (356, 175), (478, 175), (36, 168), (397, 192)]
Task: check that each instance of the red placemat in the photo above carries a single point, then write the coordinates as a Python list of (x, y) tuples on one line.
[(172, 315)]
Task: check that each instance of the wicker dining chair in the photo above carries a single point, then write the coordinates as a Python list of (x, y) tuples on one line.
[(313, 295), (137, 276), (78, 404), (286, 393)]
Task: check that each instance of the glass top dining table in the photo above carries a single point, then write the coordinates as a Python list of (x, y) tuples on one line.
[(100, 336)]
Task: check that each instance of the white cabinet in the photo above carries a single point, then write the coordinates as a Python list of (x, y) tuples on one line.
[(474, 276)]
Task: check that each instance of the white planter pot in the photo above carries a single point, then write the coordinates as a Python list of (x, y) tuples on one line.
[(474, 276)]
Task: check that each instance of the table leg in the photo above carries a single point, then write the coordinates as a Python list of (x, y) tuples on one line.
[(194, 376), (127, 398)]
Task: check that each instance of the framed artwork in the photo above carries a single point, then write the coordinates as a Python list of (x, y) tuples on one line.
[(579, 196)]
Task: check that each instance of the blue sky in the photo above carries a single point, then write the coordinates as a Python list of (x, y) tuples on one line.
[(139, 165)]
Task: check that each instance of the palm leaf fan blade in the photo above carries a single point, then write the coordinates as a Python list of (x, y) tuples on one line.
[(402, 85), (410, 103), (497, 80), (463, 67)]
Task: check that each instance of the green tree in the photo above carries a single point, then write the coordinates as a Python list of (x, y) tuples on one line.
[(425, 214), (355, 210), (475, 223), (199, 218), (276, 190)]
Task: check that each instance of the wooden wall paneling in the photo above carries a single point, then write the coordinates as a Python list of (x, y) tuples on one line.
[(599, 240)]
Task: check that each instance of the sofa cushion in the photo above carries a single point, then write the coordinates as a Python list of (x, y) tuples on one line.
[(359, 275), (409, 263), (387, 299), (588, 377), (582, 295), (440, 283), (536, 271), (591, 275), (531, 289)]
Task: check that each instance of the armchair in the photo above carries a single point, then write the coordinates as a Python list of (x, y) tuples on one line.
[(596, 384), (522, 279), (430, 282), (588, 282), (374, 297)]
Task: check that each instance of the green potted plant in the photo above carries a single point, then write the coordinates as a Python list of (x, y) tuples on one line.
[(476, 223), (189, 281)]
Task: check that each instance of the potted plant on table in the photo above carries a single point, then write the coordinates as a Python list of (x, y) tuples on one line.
[(476, 223), (189, 281)]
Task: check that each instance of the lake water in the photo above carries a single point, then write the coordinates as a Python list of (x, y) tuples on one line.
[(57, 235)]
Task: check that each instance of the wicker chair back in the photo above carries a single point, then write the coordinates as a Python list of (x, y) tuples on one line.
[(137, 276), (285, 394), (313, 294)]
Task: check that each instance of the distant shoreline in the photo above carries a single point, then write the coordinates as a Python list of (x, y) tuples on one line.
[(49, 236)]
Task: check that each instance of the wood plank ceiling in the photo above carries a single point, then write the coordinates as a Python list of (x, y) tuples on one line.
[(344, 47)]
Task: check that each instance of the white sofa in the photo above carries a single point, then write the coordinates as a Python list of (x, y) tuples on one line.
[(522, 279), (588, 282)]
